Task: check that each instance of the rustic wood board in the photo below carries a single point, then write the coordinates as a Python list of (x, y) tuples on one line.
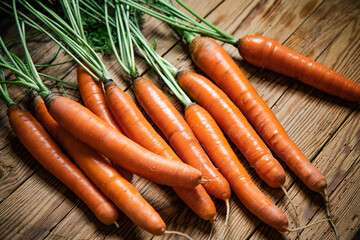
[(35, 205)]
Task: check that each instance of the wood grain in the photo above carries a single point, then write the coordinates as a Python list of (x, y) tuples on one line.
[(35, 205)]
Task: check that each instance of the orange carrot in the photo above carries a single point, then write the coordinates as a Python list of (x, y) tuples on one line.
[(92, 94), (211, 58), (137, 128), (90, 129), (43, 148), (180, 136), (258, 50), (267, 53), (216, 146), (235, 125), (103, 175)]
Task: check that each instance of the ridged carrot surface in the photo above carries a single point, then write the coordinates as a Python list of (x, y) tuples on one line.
[(92, 94)]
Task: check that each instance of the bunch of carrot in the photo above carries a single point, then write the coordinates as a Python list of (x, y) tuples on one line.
[(83, 134), (113, 119), (216, 63)]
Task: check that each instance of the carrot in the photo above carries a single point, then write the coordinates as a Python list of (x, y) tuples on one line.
[(258, 50), (216, 146), (267, 53), (211, 58), (92, 93), (235, 125), (93, 96), (90, 129), (137, 128), (103, 175), (43, 148), (180, 136)]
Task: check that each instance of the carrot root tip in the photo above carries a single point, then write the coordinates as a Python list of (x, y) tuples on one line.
[(297, 219), (178, 233), (212, 221), (116, 224), (227, 225), (306, 226), (328, 213)]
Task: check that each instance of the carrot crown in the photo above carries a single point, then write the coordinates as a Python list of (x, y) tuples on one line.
[(125, 56), (166, 70), (4, 94)]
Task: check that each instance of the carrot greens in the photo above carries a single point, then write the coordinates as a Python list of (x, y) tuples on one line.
[(166, 12)]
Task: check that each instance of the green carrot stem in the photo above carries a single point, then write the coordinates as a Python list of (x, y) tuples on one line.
[(196, 29), (125, 57), (47, 62), (75, 41), (5, 97), (112, 44), (58, 80), (231, 38), (53, 64), (43, 89), (206, 29), (36, 26), (156, 62)]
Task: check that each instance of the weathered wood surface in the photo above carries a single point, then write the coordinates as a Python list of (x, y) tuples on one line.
[(35, 205)]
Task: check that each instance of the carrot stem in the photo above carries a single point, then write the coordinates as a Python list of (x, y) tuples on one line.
[(159, 65), (189, 24), (125, 57), (5, 96), (58, 80), (233, 39)]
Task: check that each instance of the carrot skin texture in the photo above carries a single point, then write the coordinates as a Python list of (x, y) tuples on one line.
[(181, 138), (221, 68), (218, 149), (235, 125), (92, 93), (137, 128), (90, 129), (103, 175), (267, 53), (44, 149)]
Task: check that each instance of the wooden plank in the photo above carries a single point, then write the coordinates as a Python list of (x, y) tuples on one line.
[(299, 107), (16, 165), (35, 207)]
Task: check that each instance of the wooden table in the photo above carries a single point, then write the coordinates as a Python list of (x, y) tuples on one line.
[(35, 205)]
